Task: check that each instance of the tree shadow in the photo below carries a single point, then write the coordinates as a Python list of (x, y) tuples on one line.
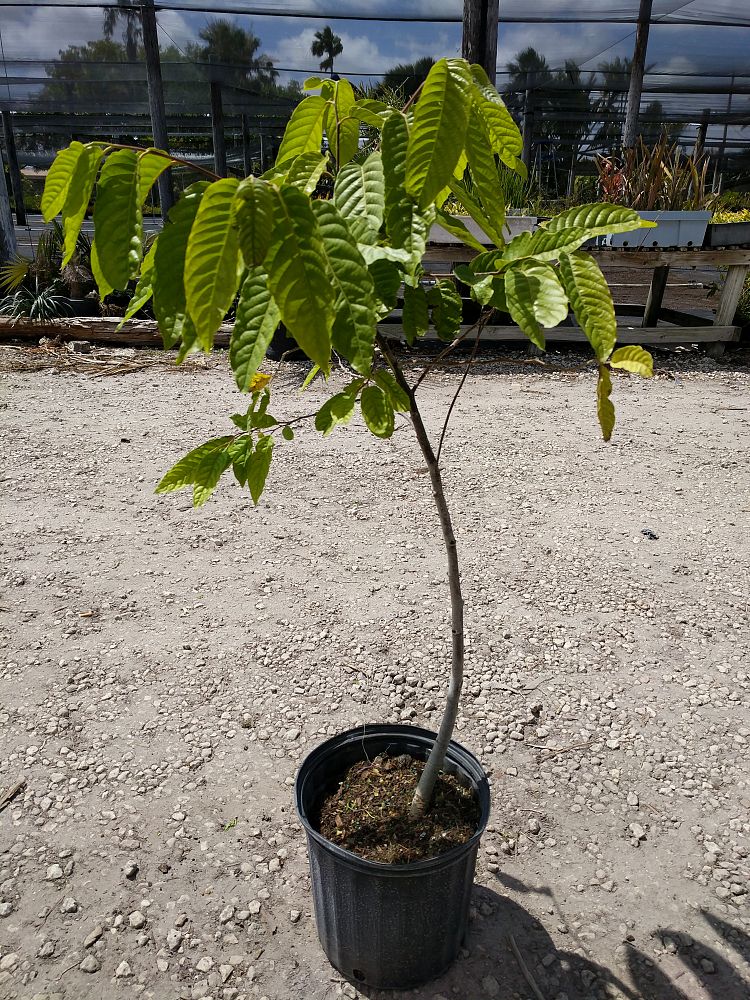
[(684, 968)]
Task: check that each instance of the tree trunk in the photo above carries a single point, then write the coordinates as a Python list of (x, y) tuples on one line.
[(156, 101), (426, 786), (479, 41), (637, 69)]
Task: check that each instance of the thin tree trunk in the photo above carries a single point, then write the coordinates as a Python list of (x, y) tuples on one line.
[(426, 786)]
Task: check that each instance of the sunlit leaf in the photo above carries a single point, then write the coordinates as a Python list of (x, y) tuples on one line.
[(591, 301), (254, 326), (604, 408)]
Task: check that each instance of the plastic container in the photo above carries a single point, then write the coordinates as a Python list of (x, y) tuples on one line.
[(728, 234), (673, 229), (383, 925)]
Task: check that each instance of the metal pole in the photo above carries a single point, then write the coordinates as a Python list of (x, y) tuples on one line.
[(479, 40), (719, 164), (637, 69), (13, 168), (528, 123), (156, 100), (8, 245), (217, 126), (247, 160), (700, 141)]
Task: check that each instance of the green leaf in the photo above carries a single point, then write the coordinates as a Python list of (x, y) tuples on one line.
[(299, 278), (287, 433), (377, 411), (504, 134), (543, 245), (254, 326), (475, 210), (170, 306), (304, 131), (341, 129), (188, 340), (535, 298), (102, 284), (406, 225), (416, 316), (598, 219), (356, 308), (201, 468), (437, 137), (211, 273), (604, 408), (484, 174), (59, 178), (398, 397), (151, 165), (306, 171), (358, 195), (253, 216), (370, 112), (313, 83), (457, 228), (336, 410), (310, 377), (447, 310), (633, 359), (258, 465), (78, 197), (387, 279), (118, 220), (144, 289), (591, 300)]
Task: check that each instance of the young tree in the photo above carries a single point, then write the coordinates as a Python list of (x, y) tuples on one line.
[(233, 55), (326, 44), (133, 33)]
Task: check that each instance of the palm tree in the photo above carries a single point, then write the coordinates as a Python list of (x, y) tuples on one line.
[(407, 78), (326, 44), (133, 28)]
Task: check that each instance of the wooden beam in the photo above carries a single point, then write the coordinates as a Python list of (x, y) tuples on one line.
[(655, 295), (637, 69), (615, 256), (730, 294), (217, 127), (8, 245), (13, 168), (156, 100), (479, 40), (625, 334)]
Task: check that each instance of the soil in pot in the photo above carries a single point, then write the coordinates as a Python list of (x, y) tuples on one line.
[(369, 813)]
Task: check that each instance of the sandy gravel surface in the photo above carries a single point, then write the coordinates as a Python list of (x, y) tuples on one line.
[(164, 670)]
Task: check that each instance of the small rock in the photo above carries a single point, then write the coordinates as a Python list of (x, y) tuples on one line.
[(94, 936), (69, 905), (491, 986), (254, 907), (632, 799), (534, 826), (137, 920), (54, 873), (131, 871), (226, 914), (225, 971), (123, 971), (8, 962), (637, 832), (174, 940), (6, 909), (722, 892), (708, 966), (294, 915), (90, 964), (204, 964), (47, 949)]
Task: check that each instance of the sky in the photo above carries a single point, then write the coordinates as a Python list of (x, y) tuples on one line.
[(30, 32)]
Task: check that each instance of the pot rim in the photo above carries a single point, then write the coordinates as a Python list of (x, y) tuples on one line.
[(462, 758)]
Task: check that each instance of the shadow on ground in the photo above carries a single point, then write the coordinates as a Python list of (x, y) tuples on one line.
[(679, 967)]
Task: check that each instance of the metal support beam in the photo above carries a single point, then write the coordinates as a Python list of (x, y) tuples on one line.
[(637, 69), (13, 168), (156, 100), (247, 160), (528, 123), (217, 127), (479, 42), (8, 245)]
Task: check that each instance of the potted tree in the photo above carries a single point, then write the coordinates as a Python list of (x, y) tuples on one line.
[(393, 814)]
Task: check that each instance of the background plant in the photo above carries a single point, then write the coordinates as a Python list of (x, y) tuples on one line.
[(330, 270)]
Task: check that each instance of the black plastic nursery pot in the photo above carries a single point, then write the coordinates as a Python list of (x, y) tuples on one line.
[(387, 926)]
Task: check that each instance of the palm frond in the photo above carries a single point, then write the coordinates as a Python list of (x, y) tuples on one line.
[(14, 272)]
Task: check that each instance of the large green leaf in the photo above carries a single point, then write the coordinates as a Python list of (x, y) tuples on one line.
[(397, 395), (299, 277), (211, 272), (251, 462), (474, 209), (484, 174), (370, 112), (118, 220), (416, 315), (535, 298), (407, 226), (253, 216), (591, 301), (604, 408), (306, 171), (145, 288), (458, 229), (358, 195), (151, 165), (356, 307), (504, 134), (201, 468), (170, 306), (58, 179), (336, 410), (78, 197), (447, 310), (341, 128), (387, 279), (254, 326), (101, 282), (377, 411), (633, 359), (304, 131), (598, 219), (436, 139), (543, 245)]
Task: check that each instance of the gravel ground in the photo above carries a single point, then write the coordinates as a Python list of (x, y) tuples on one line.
[(163, 671)]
